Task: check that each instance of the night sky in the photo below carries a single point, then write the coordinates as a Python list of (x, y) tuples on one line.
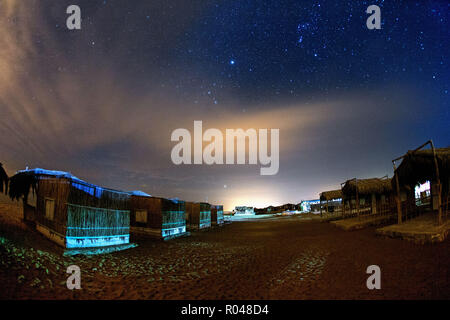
[(102, 102)]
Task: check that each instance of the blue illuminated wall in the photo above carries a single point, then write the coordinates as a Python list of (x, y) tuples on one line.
[(96, 227)]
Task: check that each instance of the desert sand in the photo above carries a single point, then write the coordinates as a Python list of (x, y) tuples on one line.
[(278, 258)]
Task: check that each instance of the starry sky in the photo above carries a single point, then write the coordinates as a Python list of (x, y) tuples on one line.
[(102, 102)]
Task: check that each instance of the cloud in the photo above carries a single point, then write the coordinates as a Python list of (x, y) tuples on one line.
[(69, 106)]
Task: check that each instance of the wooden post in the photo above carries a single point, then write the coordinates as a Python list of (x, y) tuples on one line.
[(350, 209), (397, 196), (357, 197), (373, 203), (398, 199), (446, 206), (439, 186), (320, 205), (343, 203), (343, 206)]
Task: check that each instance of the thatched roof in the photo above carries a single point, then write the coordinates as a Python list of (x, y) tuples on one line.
[(330, 195), (418, 167), (367, 186), (22, 181)]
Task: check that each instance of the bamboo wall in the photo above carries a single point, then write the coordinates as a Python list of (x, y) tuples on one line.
[(410, 209), (446, 200), (173, 213), (85, 221), (369, 205), (331, 207)]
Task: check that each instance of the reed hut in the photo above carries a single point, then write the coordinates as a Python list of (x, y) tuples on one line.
[(418, 167), (367, 197), (72, 212), (157, 217), (274, 209), (289, 207), (261, 211), (198, 215), (217, 215), (333, 201)]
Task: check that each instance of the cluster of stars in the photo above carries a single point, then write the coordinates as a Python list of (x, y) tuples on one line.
[(292, 49)]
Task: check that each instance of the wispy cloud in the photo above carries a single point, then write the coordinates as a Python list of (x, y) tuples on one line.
[(70, 108)]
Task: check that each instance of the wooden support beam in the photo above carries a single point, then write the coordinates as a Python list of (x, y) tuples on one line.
[(357, 197), (439, 186), (320, 205)]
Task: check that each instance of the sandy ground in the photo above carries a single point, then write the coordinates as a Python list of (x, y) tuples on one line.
[(281, 258)]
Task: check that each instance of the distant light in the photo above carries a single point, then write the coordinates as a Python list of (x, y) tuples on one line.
[(232, 62)]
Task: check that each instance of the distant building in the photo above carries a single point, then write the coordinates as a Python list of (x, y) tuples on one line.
[(274, 209), (261, 211), (290, 207), (310, 205), (244, 210)]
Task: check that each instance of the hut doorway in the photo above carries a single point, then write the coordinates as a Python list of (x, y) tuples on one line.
[(422, 194)]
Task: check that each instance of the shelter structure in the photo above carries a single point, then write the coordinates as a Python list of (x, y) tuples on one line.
[(198, 215), (72, 212), (333, 201), (421, 183), (367, 197), (157, 217), (217, 215)]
